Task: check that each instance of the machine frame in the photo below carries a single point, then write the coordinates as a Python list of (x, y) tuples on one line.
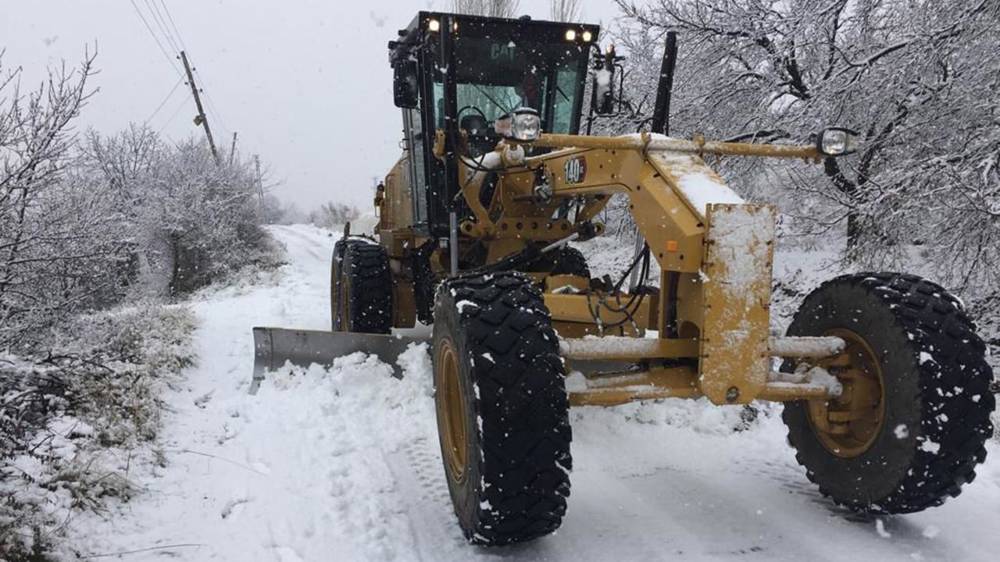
[(473, 237)]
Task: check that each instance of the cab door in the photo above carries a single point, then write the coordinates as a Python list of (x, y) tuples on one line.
[(415, 146)]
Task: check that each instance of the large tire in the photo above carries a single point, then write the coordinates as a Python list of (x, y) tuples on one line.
[(565, 260), (502, 408), (934, 405), (361, 287)]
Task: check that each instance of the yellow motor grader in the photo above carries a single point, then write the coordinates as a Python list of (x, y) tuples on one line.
[(882, 376)]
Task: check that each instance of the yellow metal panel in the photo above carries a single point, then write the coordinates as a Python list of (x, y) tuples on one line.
[(397, 208), (673, 231), (735, 359), (576, 308)]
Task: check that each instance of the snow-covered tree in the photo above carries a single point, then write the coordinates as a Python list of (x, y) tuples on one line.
[(188, 218), (86, 224), (331, 215), (913, 78), (47, 215)]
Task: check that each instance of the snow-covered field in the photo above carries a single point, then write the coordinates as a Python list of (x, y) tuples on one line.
[(344, 465)]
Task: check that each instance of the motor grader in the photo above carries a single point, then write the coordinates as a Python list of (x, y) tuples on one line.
[(882, 376)]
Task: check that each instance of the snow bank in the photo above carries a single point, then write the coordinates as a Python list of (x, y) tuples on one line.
[(73, 421)]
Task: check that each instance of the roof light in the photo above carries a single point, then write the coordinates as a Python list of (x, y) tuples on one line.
[(433, 25), (587, 36), (571, 35)]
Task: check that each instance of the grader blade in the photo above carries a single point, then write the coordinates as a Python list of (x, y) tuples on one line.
[(273, 347)]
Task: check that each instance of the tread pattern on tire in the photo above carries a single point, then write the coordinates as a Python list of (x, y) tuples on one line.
[(522, 404), (563, 261), (955, 400), (366, 265)]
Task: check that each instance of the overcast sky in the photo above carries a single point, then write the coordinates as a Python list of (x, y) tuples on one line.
[(305, 83)]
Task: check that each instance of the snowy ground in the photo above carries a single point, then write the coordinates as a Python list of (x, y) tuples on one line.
[(344, 465)]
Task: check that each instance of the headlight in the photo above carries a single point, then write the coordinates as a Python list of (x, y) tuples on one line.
[(522, 124), (836, 141)]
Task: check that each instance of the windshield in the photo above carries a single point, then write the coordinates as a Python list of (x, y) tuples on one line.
[(495, 76)]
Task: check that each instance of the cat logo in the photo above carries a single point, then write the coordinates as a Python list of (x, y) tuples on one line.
[(576, 169)]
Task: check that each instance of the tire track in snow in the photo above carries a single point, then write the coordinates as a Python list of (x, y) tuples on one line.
[(417, 468), (312, 243)]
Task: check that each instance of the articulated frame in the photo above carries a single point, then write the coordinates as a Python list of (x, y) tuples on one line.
[(713, 250)]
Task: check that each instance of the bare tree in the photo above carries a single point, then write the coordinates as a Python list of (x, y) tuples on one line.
[(491, 8), (564, 10)]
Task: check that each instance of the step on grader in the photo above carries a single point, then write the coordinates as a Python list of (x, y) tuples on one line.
[(882, 376)]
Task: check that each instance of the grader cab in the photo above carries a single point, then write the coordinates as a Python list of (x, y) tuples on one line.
[(883, 379)]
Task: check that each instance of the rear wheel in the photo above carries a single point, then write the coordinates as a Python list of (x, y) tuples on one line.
[(909, 427), (502, 408), (361, 287)]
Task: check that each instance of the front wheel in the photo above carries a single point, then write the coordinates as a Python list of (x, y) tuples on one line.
[(360, 287), (502, 408), (909, 427)]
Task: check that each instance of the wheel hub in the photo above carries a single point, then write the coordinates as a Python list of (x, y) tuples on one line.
[(848, 425), (451, 410)]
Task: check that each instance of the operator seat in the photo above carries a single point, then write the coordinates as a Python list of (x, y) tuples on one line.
[(478, 131)]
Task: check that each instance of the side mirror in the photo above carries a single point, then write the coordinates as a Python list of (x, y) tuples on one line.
[(604, 84), (404, 84)]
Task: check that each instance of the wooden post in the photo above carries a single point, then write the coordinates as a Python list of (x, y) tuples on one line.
[(232, 149), (201, 118), (260, 180)]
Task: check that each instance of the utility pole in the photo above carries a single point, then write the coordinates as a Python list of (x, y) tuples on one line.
[(201, 118), (232, 149), (260, 180)]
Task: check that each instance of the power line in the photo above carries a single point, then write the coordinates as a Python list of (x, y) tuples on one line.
[(173, 115), (165, 100), (172, 35), (173, 24), (215, 110), (154, 12), (155, 38)]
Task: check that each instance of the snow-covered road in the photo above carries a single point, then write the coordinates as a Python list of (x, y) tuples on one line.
[(344, 465)]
